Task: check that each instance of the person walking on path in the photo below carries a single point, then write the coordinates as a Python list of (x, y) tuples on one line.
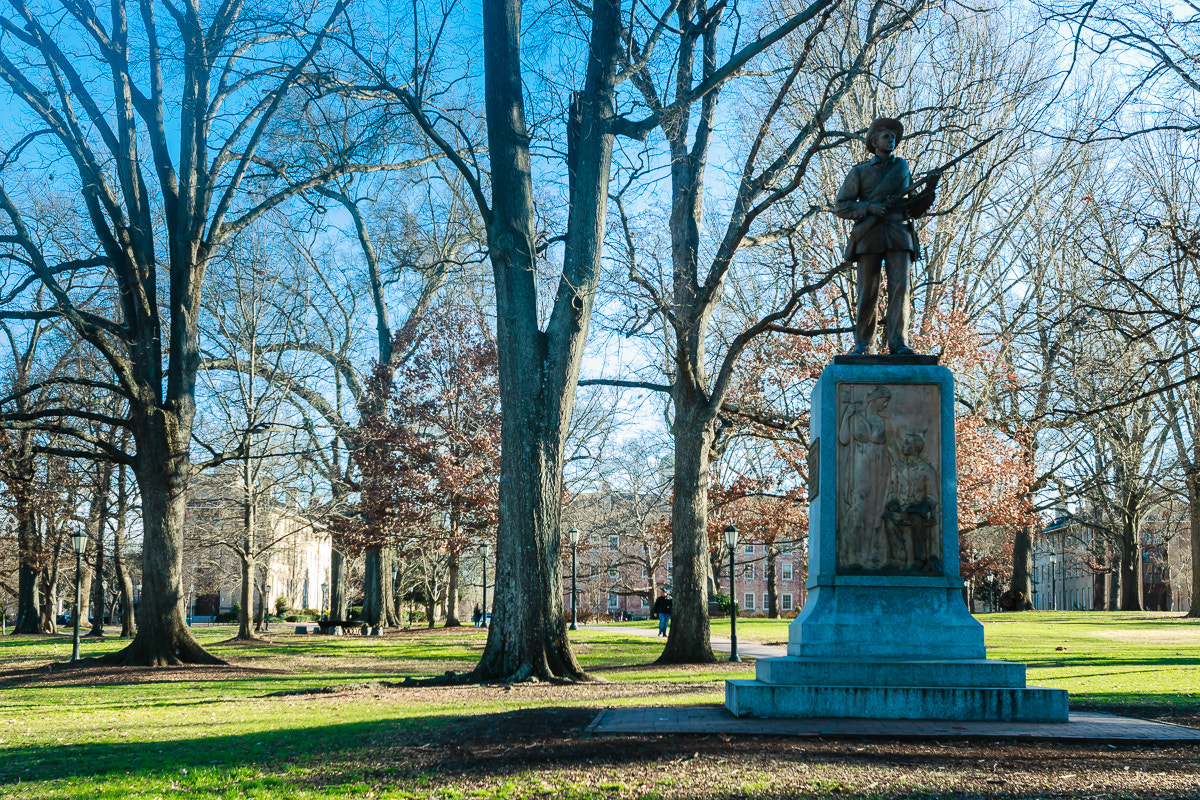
[(662, 607), (477, 615)]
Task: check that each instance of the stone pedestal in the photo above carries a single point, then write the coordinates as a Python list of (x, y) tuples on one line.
[(885, 632)]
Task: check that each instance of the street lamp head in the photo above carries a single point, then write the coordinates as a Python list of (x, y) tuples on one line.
[(731, 536), (573, 534), (324, 587), (79, 539), (483, 549), (1053, 558)]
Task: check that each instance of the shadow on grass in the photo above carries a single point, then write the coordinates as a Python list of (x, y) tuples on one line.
[(280, 748), (441, 749)]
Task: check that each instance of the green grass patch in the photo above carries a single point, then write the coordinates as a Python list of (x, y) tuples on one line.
[(172, 734)]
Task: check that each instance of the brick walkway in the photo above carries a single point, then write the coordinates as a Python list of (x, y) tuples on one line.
[(1083, 727)]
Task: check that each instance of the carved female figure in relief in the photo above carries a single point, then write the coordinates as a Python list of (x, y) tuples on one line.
[(864, 427)]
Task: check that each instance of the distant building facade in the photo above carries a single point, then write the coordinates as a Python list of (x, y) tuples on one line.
[(614, 583), (294, 565), (1073, 565)]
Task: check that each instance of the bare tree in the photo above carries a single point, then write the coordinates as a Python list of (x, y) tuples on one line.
[(155, 218)]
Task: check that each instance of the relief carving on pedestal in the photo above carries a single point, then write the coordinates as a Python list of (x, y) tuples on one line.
[(889, 479)]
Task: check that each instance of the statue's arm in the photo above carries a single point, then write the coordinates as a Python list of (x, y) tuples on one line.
[(847, 205)]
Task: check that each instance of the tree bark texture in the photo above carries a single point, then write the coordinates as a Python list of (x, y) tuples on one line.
[(246, 600), (1022, 575), (772, 585), (28, 547), (1192, 483), (49, 595), (1131, 560), (539, 371), (379, 604), (163, 637), (98, 521), (689, 639), (339, 592), (452, 620), (124, 581)]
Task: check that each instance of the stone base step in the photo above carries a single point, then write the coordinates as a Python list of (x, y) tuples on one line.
[(982, 673), (752, 698)]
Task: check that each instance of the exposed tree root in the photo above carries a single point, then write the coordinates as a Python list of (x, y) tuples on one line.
[(158, 654), (251, 639)]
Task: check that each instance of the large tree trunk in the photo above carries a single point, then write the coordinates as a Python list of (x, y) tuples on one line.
[(772, 584), (49, 579), (1131, 565), (539, 371), (86, 596), (689, 638), (248, 552), (163, 637), (124, 581), (246, 614), (1114, 579), (28, 550), (1192, 482), (452, 620), (339, 590), (1022, 575), (122, 574), (379, 604), (98, 521)]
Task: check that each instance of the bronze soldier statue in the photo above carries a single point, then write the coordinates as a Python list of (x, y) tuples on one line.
[(874, 195)]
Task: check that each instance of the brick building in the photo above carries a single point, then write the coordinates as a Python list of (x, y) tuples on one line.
[(618, 579)]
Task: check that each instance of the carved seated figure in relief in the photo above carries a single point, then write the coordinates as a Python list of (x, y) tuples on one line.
[(910, 518)]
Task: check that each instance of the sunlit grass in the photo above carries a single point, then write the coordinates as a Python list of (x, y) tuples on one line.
[(135, 740)]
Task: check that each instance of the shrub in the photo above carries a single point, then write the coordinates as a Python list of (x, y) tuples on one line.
[(724, 602), (281, 606)]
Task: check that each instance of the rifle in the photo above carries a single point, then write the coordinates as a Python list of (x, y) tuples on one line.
[(912, 206)]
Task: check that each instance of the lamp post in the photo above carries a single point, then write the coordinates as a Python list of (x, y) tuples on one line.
[(267, 608), (78, 544), (483, 550), (731, 538), (574, 536), (324, 599), (1053, 579)]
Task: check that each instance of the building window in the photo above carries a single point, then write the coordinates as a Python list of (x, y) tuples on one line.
[(749, 550), (612, 600), (787, 570), (786, 605), (645, 573), (748, 572), (614, 543), (613, 574), (748, 601), (645, 602)]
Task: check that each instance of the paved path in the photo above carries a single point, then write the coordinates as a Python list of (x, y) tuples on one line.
[(710, 719), (721, 644)]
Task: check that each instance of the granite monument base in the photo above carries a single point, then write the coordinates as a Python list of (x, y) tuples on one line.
[(884, 632)]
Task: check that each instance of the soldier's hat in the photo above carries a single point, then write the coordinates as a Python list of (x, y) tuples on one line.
[(894, 125)]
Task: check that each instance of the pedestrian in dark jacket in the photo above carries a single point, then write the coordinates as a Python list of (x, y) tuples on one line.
[(662, 607)]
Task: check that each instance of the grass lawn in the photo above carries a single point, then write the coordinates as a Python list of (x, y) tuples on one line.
[(246, 732)]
